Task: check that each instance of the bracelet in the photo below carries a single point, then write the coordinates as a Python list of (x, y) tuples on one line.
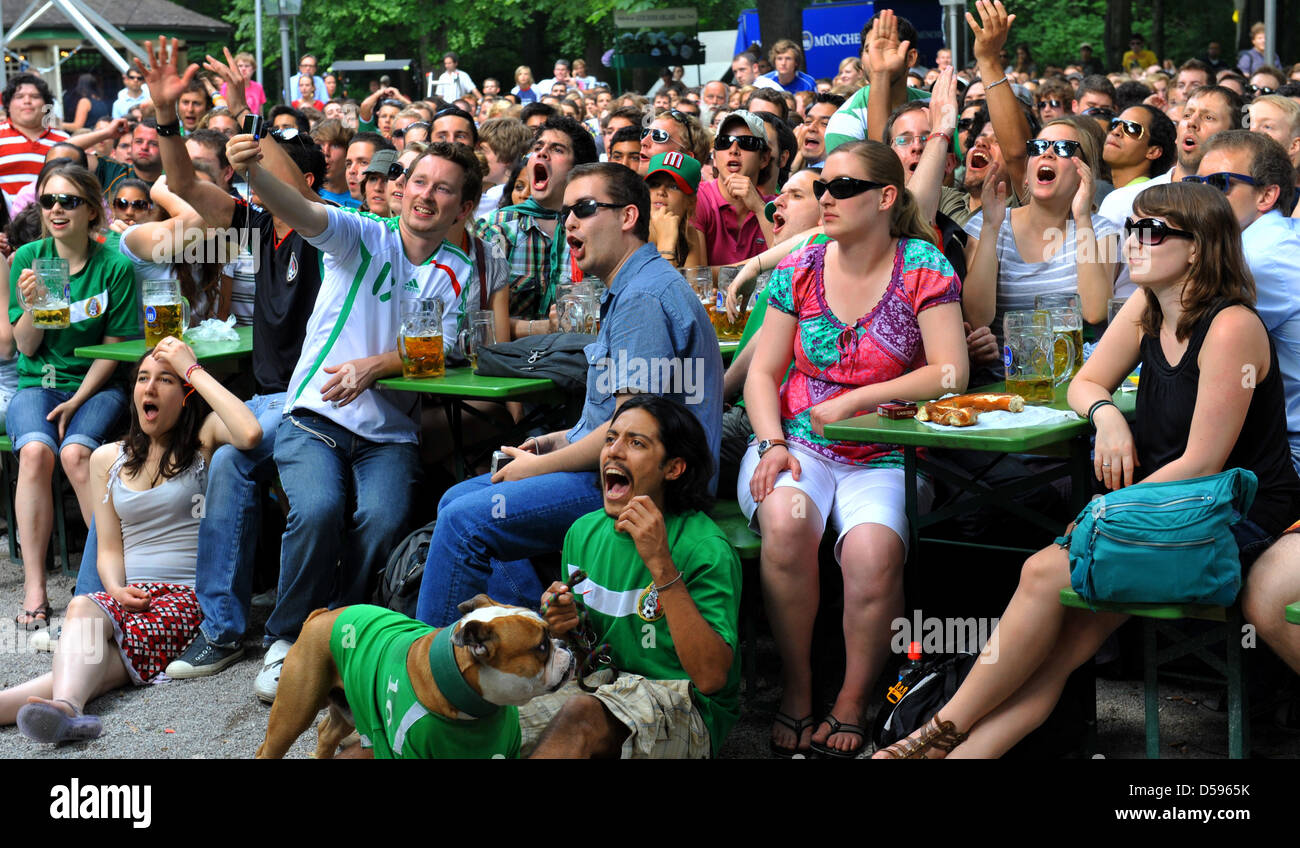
[(994, 85), (946, 135), (190, 370), (170, 129), (1098, 405), (669, 583)]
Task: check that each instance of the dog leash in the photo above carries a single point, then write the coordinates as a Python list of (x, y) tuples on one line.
[(593, 656)]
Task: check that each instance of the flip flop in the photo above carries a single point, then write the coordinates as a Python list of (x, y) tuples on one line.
[(837, 727), (37, 619), (47, 723), (798, 726)]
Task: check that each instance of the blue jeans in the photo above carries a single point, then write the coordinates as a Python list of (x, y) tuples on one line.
[(349, 499), (90, 426), (482, 527), (232, 522), (228, 533)]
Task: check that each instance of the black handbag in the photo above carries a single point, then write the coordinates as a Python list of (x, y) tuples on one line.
[(559, 357)]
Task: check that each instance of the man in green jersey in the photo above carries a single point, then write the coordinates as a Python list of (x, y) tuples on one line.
[(660, 592)]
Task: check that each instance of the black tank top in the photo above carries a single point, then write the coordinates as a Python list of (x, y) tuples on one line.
[(1166, 399)]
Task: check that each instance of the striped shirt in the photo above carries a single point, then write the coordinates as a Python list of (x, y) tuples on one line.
[(21, 158), (537, 262)]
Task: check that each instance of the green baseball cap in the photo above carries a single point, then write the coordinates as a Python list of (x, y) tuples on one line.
[(685, 169)]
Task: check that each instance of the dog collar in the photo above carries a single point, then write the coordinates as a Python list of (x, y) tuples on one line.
[(449, 680)]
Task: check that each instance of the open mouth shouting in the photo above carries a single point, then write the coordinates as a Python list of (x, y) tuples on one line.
[(541, 176), (149, 411), (1189, 142), (577, 247), (1045, 174), (778, 222), (978, 160), (617, 482)]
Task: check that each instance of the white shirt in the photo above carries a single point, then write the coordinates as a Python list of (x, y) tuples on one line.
[(451, 85), (358, 314), (1116, 208)]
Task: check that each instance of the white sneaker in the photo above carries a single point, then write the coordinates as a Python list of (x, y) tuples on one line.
[(268, 679)]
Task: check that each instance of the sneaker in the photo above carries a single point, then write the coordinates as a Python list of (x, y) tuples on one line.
[(268, 679), (264, 600), (202, 658)]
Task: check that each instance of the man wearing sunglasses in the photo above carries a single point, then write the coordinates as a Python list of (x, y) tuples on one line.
[(1139, 145), (730, 209), (651, 321), (1055, 100), (134, 92), (1255, 175)]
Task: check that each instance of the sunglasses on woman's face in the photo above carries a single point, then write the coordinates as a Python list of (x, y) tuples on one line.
[(1152, 231), (1222, 180), (1064, 148), (751, 143), (67, 201), (1132, 129), (396, 171), (123, 204), (842, 188)]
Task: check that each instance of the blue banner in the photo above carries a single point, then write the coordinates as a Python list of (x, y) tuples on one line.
[(832, 31)]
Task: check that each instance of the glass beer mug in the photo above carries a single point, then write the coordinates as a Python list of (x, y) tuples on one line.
[(50, 305), (419, 340), (480, 332), (1029, 356), (166, 313)]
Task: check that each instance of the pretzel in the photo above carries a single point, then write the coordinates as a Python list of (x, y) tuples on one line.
[(963, 410)]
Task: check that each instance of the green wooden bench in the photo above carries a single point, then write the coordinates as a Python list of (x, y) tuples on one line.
[(747, 544), (1156, 620)]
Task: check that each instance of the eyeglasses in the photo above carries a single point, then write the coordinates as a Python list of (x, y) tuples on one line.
[(586, 208), (752, 143), (1222, 180), (1260, 90), (842, 188), (123, 204), (418, 125), (1063, 147), (1043, 104), (1152, 231), (1100, 112), (67, 201), (908, 140), (1132, 129)]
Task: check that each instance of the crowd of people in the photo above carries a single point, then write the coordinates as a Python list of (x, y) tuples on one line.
[(870, 231)]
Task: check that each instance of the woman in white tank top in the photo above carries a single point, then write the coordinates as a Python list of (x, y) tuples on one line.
[(150, 487)]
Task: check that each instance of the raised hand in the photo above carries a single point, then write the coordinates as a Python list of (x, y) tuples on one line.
[(885, 53), (993, 197), (1081, 204), (992, 30), (166, 83), (943, 102)]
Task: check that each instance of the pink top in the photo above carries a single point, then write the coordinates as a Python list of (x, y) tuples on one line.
[(729, 240), (254, 95)]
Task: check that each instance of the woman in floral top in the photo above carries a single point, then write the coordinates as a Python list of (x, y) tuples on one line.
[(873, 316)]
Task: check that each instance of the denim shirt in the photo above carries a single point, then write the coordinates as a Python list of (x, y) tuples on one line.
[(654, 337), (1272, 247)]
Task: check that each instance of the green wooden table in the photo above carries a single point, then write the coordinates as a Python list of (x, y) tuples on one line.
[(1068, 439), (460, 385), (130, 351), (728, 348)]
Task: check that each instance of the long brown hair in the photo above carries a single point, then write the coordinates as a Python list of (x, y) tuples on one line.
[(883, 166), (184, 445), (1218, 271)]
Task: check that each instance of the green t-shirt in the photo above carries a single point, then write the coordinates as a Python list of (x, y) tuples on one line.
[(103, 303), (849, 123), (369, 645), (624, 609)]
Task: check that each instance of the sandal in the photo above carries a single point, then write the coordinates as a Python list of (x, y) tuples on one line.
[(42, 722), (838, 727), (37, 619), (798, 726), (935, 734)]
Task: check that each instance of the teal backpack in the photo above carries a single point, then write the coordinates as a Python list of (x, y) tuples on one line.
[(1165, 542)]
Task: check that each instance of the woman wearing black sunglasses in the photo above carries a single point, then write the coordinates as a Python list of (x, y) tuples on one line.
[(871, 316), (1193, 330), (65, 406)]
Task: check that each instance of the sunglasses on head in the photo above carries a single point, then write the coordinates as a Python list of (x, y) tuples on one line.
[(1100, 112), (752, 143), (842, 188), (1152, 231), (138, 205), (1132, 129), (1222, 180), (1062, 147), (67, 201), (586, 208), (1043, 104), (418, 125)]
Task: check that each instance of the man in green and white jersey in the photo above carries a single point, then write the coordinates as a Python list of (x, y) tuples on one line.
[(884, 33)]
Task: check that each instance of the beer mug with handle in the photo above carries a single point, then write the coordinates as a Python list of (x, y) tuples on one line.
[(1029, 356), (166, 313), (50, 306), (480, 332), (419, 340)]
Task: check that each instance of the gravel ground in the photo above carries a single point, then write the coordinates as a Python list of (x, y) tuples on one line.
[(219, 717)]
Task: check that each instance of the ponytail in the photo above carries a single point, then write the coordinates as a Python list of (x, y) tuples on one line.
[(907, 221)]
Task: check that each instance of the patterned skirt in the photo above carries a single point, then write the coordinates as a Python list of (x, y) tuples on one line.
[(149, 640)]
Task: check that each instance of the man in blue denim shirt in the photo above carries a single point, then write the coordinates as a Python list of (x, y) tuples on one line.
[(654, 337)]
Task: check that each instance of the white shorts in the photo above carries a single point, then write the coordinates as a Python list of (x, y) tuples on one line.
[(848, 495)]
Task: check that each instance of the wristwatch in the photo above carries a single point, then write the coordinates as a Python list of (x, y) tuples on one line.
[(767, 444)]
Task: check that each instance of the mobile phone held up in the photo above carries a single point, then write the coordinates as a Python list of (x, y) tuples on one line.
[(253, 125)]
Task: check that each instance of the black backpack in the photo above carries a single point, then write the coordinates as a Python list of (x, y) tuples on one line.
[(559, 357), (399, 582), (924, 690)]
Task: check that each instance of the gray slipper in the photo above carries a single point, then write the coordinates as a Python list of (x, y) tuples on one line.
[(48, 723)]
